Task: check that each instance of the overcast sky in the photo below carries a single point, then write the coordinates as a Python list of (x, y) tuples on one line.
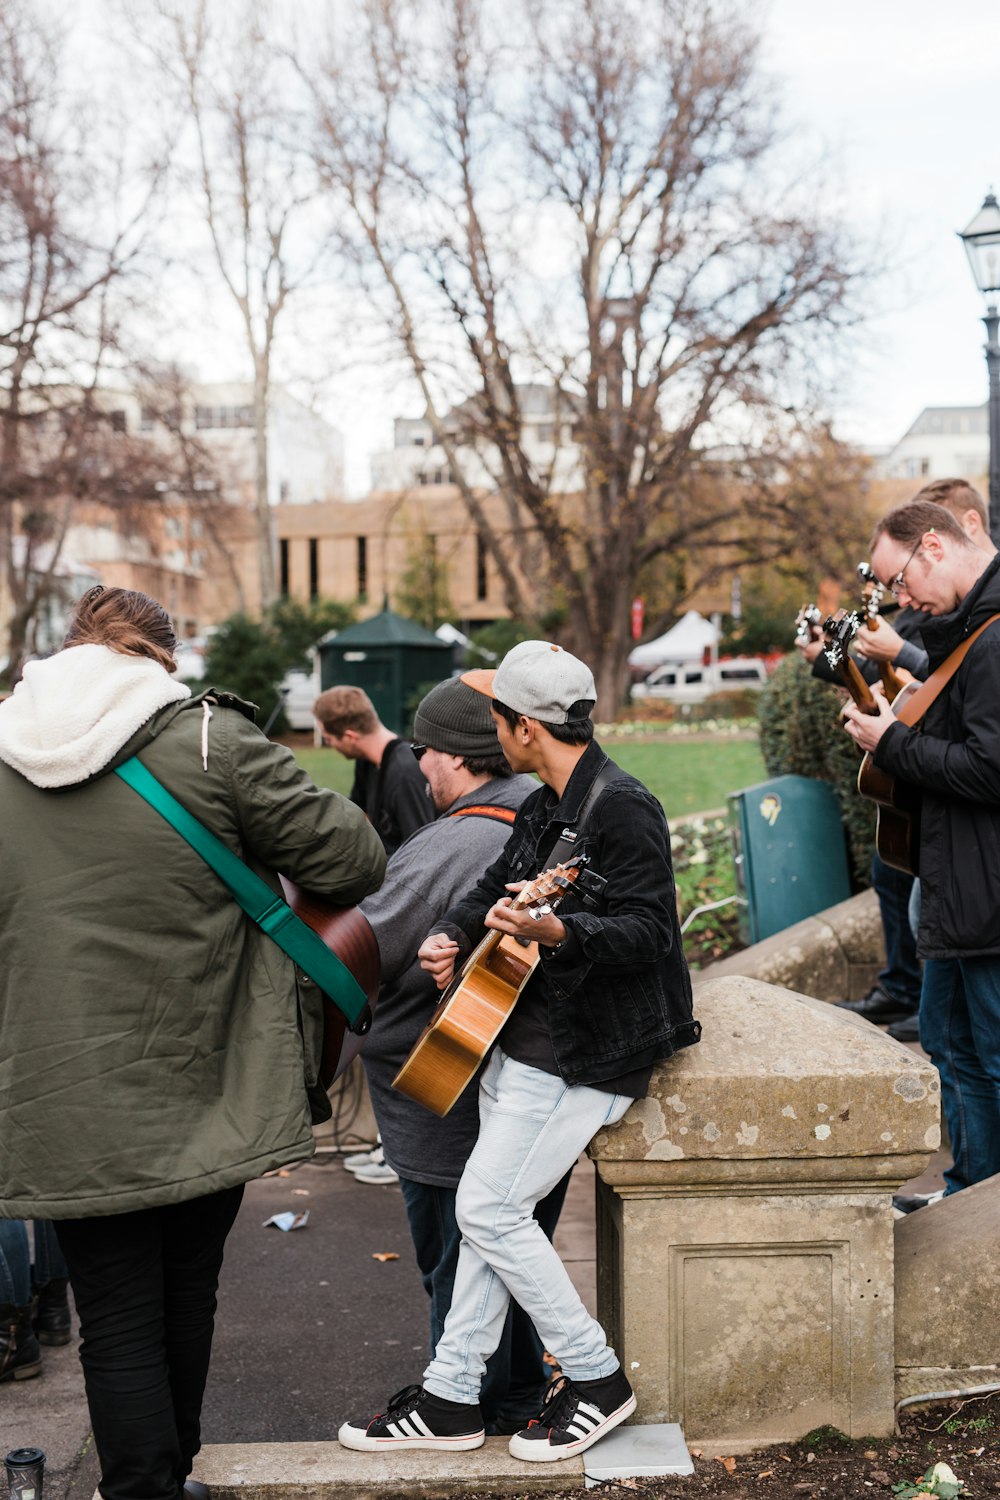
[(900, 101), (897, 103), (905, 95)]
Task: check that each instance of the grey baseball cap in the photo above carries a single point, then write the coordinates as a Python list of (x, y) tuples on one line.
[(539, 679)]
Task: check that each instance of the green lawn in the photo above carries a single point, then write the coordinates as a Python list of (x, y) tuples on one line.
[(686, 777)]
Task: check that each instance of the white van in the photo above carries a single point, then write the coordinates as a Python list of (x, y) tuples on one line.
[(693, 682)]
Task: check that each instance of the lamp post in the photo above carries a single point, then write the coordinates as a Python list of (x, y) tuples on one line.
[(982, 245)]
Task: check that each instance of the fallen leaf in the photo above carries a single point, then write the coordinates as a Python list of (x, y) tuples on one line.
[(766, 1474), (384, 1255), (300, 1192), (695, 1452), (282, 1172), (729, 1464), (870, 1453)]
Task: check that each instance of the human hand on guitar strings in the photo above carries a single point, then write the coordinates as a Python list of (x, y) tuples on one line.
[(437, 955), (535, 924), (867, 729), (881, 644)]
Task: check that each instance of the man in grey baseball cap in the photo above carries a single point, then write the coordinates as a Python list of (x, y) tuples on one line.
[(609, 1000), (477, 795)]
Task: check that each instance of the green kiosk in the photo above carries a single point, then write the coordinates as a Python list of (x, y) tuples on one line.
[(391, 658)]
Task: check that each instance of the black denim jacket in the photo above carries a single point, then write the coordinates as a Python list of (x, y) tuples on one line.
[(618, 988)]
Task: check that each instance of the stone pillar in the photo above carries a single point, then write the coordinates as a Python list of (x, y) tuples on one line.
[(744, 1224)]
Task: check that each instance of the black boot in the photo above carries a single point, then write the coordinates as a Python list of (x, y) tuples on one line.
[(52, 1317), (20, 1356)]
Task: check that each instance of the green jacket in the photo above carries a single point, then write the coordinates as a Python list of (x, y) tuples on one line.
[(154, 1045)]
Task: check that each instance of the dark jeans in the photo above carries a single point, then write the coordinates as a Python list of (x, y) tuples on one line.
[(49, 1259), (15, 1263), (144, 1285), (960, 1032), (901, 977), (515, 1374)]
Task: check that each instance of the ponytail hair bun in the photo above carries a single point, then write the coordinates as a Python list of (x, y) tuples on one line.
[(126, 621)]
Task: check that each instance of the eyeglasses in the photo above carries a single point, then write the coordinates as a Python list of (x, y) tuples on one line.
[(420, 750), (895, 585)]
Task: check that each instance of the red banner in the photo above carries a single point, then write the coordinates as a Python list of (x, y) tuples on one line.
[(638, 616)]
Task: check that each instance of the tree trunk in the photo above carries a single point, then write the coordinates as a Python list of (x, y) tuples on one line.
[(265, 528)]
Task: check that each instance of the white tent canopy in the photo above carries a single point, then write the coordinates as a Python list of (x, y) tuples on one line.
[(685, 641)]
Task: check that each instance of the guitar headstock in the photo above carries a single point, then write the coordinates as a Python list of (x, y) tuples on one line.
[(872, 594), (808, 623), (543, 894), (839, 631)]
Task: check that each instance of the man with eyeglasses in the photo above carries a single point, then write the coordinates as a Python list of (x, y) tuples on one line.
[(953, 756)]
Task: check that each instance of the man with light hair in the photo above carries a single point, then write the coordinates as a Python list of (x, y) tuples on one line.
[(388, 785)]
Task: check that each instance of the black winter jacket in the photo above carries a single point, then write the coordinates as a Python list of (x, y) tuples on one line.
[(953, 756), (618, 988)]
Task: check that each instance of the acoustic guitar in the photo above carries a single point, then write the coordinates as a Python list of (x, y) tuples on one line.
[(472, 1011), (897, 833), (347, 933)]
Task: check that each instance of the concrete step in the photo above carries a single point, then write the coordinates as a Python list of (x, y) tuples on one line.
[(294, 1471)]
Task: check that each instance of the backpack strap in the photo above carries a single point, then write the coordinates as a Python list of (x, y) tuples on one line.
[(486, 810), (272, 913)]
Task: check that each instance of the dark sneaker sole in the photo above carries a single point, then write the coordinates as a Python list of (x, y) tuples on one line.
[(22, 1372), (53, 1338), (358, 1439), (539, 1451)]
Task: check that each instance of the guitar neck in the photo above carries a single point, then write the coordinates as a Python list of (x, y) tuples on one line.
[(856, 685)]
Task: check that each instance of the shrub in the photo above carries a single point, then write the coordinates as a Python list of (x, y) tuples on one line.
[(801, 735)]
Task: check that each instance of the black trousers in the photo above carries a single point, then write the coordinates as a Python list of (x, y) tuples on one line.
[(144, 1284)]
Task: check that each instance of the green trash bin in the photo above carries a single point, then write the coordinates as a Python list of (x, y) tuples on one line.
[(790, 853)]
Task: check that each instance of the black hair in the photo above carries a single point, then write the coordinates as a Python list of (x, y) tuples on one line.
[(578, 729), (494, 766)]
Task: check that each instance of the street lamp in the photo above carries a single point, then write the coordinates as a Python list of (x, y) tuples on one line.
[(981, 239)]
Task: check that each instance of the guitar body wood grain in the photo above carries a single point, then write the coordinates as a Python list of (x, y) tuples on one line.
[(348, 934), (469, 1017), (897, 836)]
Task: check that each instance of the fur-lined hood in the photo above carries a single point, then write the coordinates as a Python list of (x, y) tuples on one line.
[(72, 712)]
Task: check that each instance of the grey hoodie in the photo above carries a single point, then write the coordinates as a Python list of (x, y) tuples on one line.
[(433, 869)]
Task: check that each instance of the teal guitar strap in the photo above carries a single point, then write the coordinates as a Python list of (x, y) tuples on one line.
[(272, 913)]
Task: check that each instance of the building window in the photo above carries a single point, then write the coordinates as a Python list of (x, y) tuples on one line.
[(362, 566), (119, 422), (147, 419), (212, 417), (283, 566), (283, 491), (313, 568), (482, 579)]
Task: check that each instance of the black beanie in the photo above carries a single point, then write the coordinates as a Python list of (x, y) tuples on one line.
[(457, 720)]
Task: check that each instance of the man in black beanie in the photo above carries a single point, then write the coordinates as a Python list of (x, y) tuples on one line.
[(476, 796)]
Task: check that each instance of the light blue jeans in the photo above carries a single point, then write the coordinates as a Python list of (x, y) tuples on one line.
[(533, 1126)]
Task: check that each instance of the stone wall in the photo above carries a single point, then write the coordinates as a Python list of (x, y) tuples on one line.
[(835, 955), (745, 1225)]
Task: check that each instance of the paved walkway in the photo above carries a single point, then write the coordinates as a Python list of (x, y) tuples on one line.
[(310, 1330)]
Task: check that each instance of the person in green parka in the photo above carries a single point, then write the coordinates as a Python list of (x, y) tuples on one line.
[(156, 1051)]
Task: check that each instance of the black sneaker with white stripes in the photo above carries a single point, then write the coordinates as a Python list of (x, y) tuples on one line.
[(576, 1414), (416, 1419)]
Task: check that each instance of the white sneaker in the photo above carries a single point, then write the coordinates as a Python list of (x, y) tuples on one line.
[(375, 1158), (360, 1159), (378, 1172)]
